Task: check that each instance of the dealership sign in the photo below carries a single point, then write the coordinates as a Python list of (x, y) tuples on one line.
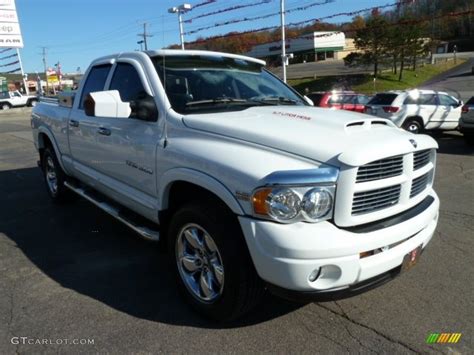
[(10, 33)]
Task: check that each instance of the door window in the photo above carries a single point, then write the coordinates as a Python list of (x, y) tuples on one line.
[(95, 81), (427, 99), (128, 83), (445, 100)]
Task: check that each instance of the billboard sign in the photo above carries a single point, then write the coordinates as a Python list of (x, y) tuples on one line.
[(10, 32)]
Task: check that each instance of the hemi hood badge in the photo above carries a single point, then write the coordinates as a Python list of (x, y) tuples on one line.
[(413, 143)]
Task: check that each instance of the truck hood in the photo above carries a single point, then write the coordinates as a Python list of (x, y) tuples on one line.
[(324, 135)]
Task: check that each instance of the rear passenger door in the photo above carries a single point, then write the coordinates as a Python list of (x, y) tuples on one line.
[(451, 111), (82, 129), (427, 108)]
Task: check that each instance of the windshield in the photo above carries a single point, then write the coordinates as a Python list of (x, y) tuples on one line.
[(196, 83)]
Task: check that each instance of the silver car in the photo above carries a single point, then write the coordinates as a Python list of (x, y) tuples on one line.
[(466, 123)]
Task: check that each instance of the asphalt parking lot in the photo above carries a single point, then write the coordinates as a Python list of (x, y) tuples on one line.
[(73, 273)]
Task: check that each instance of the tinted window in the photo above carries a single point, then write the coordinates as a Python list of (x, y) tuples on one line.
[(95, 81), (445, 100), (427, 99), (470, 102), (383, 99), (362, 99), (4, 95), (127, 81), (316, 98), (342, 99)]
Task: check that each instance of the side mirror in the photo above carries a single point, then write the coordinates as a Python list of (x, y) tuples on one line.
[(106, 104), (308, 100), (144, 109)]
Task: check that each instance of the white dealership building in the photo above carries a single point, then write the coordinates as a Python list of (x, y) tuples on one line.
[(308, 48)]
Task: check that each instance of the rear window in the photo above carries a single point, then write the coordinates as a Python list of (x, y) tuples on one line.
[(316, 98), (383, 99), (342, 99)]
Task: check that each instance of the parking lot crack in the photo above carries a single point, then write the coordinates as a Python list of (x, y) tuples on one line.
[(350, 333), (313, 331), (379, 333)]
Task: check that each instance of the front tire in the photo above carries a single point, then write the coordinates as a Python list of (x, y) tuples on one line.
[(413, 126), (54, 177), (211, 261), (32, 103)]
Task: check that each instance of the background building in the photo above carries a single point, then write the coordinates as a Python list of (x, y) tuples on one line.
[(308, 48)]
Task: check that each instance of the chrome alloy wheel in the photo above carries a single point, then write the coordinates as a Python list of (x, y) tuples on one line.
[(51, 178), (199, 263), (413, 128)]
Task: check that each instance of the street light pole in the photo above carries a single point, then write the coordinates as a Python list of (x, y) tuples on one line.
[(181, 31), (180, 10), (284, 58)]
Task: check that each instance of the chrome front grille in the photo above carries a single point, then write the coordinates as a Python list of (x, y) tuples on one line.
[(419, 185), (421, 159), (380, 169), (373, 200)]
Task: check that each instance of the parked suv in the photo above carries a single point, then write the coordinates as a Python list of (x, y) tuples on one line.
[(466, 124), (340, 100), (9, 99), (417, 110)]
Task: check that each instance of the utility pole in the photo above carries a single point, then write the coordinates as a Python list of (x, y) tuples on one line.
[(180, 10), (284, 58), (45, 68), (145, 35)]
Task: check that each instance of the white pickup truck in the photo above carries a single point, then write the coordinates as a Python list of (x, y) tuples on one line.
[(249, 186), (9, 99)]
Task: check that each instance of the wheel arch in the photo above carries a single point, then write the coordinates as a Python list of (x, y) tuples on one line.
[(45, 140), (175, 184)]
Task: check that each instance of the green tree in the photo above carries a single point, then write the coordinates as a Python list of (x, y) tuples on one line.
[(372, 41)]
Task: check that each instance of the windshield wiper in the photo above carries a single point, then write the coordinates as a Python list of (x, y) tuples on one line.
[(271, 100), (219, 100)]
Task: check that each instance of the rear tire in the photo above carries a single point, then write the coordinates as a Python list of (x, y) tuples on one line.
[(412, 125), (469, 139), (6, 106), (211, 261), (54, 177)]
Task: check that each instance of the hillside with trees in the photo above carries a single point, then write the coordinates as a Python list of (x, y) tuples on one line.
[(411, 20)]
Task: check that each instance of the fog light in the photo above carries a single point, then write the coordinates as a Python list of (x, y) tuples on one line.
[(314, 275)]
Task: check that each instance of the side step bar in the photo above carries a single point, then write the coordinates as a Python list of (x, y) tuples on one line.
[(113, 210)]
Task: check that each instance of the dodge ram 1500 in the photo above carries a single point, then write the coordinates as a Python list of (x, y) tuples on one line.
[(250, 187)]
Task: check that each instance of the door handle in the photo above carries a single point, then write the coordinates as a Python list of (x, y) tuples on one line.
[(104, 131), (73, 123)]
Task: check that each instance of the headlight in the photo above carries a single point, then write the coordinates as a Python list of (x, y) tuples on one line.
[(283, 204), (317, 203), (288, 204)]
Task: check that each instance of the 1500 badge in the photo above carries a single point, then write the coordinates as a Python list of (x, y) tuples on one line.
[(141, 168)]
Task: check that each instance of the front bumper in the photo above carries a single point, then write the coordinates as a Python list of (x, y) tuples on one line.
[(285, 255)]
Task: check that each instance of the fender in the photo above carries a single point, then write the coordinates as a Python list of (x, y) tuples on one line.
[(197, 178), (49, 134)]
